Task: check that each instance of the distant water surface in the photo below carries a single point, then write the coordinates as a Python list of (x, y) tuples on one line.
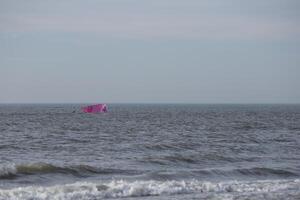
[(150, 151)]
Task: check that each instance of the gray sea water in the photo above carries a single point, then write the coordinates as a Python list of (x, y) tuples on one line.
[(136, 151)]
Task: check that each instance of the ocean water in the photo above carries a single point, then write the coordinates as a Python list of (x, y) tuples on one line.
[(149, 152)]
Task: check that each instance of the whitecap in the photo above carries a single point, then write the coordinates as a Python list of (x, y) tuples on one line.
[(7, 170), (123, 188)]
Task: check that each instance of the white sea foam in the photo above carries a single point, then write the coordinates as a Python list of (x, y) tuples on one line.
[(7, 169), (122, 188)]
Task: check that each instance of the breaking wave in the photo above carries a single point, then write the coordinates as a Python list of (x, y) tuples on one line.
[(122, 188), (12, 170), (7, 170)]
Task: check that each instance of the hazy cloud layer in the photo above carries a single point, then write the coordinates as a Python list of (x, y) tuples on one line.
[(156, 19), (194, 51)]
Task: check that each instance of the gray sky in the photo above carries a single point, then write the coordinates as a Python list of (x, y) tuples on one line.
[(154, 51)]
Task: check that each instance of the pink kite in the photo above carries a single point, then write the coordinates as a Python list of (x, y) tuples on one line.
[(98, 108)]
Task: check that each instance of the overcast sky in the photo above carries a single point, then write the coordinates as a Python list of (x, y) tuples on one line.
[(150, 51)]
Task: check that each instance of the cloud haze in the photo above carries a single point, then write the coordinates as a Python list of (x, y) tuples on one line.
[(146, 22), (149, 51)]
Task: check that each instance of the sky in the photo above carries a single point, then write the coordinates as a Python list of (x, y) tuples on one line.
[(150, 51)]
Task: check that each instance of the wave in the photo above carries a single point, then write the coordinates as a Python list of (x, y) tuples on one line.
[(184, 159), (11, 170), (122, 188), (261, 171), (7, 170), (255, 172), (225, 174)]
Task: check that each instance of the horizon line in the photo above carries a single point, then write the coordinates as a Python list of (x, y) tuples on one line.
[(187, 103)]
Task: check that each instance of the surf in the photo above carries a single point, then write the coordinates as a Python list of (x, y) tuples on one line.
[(141, 188)]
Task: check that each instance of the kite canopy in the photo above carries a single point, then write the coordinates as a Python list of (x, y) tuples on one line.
[(98, 108)]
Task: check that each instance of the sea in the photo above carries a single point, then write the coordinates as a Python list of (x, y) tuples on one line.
[(150, 152)]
